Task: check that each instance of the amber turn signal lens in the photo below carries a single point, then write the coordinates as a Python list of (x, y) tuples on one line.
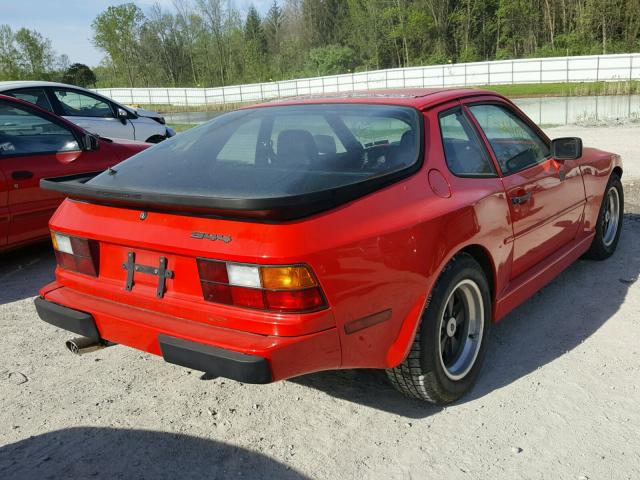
[(54, 240), (287, 278)]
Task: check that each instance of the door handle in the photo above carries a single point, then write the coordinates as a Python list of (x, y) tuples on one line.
[(520, 199), (21, 175)]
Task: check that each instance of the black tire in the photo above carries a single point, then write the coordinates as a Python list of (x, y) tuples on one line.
[(423, 374), (156, 139), (602, 247)]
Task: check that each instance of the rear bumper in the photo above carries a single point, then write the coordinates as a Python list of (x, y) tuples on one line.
[(74, 321), (216, 361), (242, 356)]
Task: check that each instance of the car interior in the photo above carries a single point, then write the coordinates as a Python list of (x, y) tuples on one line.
[(25, 133)]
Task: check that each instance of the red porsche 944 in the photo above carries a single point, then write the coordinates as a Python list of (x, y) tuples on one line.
[(382, 230)]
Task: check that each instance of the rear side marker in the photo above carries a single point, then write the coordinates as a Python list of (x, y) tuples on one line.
[(366, 322)]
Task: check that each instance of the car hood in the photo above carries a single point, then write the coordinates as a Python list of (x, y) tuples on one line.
[(141, 112)]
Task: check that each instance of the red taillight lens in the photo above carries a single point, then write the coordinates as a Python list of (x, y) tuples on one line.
[(286, 289), (216, 292), (248, 297), (212, 271), (76, 254), (295, 300)]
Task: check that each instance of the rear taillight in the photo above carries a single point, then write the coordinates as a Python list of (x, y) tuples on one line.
[(76, 254), (287, 289)]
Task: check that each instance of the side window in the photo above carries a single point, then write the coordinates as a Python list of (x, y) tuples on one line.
[(78, 104), (37, 96), (24, 133), (376, 130), (241, 145), (463, 152), (515, 144)]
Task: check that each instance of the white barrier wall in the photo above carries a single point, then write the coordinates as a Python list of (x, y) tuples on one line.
[(531, 70)]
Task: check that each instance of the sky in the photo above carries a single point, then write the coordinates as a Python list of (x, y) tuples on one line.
[(67, 23)]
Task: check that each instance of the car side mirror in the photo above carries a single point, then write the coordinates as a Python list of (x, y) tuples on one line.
[(90, 142), (123, 115), (567, 148)]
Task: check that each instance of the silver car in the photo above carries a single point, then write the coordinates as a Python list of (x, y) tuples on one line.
[(93, 112)]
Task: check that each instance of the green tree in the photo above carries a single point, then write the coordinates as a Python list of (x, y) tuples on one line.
[(206, 43), (36, 57), (117, 33), (253, 31), (331, 59), (79, 74), (9, 56)]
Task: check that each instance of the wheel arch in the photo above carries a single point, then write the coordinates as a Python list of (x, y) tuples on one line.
[(484, 258), (400, 348), (155, 139)]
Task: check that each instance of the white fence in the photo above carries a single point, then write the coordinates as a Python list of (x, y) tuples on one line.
[(531, 70)]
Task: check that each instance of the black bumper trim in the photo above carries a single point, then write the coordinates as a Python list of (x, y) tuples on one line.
[(75, 321), (215, 361)]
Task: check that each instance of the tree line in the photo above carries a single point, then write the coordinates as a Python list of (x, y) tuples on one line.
[(210, 43), (26, 55)]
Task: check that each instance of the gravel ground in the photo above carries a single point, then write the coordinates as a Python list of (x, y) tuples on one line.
[(558, 397)]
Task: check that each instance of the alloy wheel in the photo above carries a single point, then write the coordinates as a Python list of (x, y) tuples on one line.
[(461, 329)]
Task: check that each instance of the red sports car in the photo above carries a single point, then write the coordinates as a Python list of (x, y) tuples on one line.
[(35, 144), (380, 230)]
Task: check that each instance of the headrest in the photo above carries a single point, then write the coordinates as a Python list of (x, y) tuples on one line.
[(296, 146)]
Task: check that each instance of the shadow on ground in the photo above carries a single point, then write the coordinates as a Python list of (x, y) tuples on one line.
[(99, 453), (23, 271), (554, 321)]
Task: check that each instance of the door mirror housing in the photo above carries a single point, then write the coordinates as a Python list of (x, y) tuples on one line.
[(123, 115), (90, 142), (566, 148)]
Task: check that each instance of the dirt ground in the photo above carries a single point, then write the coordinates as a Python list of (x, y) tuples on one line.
[(558, 399)]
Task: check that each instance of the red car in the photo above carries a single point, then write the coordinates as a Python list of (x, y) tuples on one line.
[(382, 230), (35, 144)]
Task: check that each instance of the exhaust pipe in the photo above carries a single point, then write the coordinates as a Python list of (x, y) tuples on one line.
[(82, 345)]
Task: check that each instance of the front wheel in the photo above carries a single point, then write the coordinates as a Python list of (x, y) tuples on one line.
[(609, 223), (447, 353)]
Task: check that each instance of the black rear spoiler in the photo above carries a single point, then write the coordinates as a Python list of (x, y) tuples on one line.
[(271, 209)]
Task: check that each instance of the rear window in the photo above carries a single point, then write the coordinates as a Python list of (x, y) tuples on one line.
[(275, 152)]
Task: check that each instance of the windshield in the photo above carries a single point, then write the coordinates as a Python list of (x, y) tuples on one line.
[(275, 152)]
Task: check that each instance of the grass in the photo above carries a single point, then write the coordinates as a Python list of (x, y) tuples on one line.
[(181, 127), (566, 89)]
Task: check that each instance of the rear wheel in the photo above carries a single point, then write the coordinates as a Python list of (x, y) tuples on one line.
[(447, 353), (609, 223)]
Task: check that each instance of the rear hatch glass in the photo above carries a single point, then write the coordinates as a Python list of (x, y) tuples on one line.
[(280, 161)]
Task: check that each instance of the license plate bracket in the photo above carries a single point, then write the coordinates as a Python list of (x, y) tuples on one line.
[(160, 271)]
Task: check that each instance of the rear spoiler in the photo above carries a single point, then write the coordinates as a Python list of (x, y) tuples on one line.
[(271, 209)]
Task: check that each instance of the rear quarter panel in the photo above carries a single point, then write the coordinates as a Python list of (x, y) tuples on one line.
[(385, 251)]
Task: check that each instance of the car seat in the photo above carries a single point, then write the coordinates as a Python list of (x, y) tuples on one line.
[(296, 147)]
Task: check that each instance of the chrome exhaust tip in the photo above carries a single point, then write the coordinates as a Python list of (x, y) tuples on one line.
[(82, 345)]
